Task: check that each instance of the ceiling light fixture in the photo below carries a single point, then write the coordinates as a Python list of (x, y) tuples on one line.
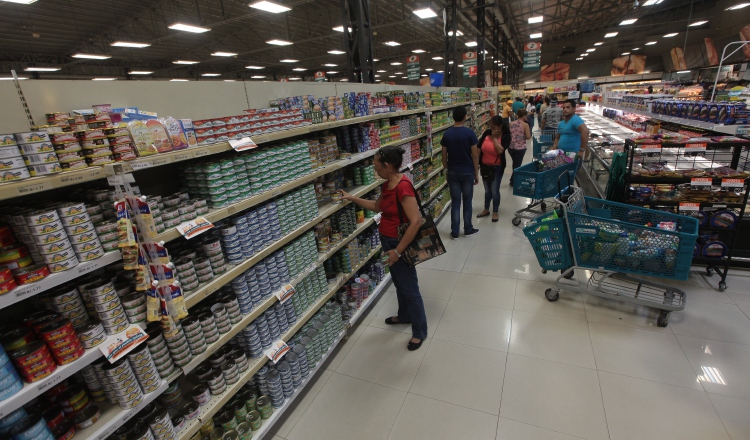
[(652, 2), (210, 74), (440, 71), (628, 21), (579, 58), (391, 76), (610, 35), (739, 6), (21, 2), (10, 78), (583, 77), (224, 54), (471, 43), (254, 67), (130, 44), (536, 35), (177, 80), (140, 72), (396, 63), (42, 69), (299, 69), (437, 58), (392, 43), (670, 35), (92, 56), (336, 52), (295, 79), (269, 7), (625, 53), (598, 44), (103, 79), (537, 19), (650, 43), (683, 71), (381, 71), (590, 50), (333, 72), (189, 28), (398, 73), (458, 33), (258, 76), (330, 65), (460, 65), (636, 48), (418, 51), (425, 13), (428, 70), (341, 28), (276, 42), (698, 23), (185, 62), (288, 60), (344, 80)]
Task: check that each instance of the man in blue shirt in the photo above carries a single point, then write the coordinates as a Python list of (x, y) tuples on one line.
[(518, 105), (572, 133), (461, 160)]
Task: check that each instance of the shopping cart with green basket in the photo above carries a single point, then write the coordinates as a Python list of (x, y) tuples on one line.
[(537, 185), (613, 242), (543, 141)]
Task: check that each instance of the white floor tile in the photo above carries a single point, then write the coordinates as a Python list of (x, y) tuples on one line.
[(433, 309), (710, 320), (498, 243), (451, 260), (642, 354), (733, 414), (496, 265), (740, 298), (462, 375), (284, 426), (551, 338), (529, 269), (612, 311), (340, 352), (530, 298), (374, 308), (422, 418), (436, 283), (558, 397), (700, 287), (508, 429), (338, 409), (380, 356), (721, 367), (640, 409), (474, 325), (485, 290)]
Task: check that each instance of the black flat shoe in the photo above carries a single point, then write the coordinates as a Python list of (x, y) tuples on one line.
[(482, 215), (390, 321), (411, 346)]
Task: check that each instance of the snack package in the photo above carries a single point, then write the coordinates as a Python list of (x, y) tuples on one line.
[(176, 133), (125, 234), (159, 136), (157, 253), (175, 300), (146, 220), (168, 326), (152, 305), (163, 273), (142, 138), (189, 129)]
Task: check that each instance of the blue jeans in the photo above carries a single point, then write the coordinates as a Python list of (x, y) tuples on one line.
[(462, 187), (516, 157), (410, 304), (492, 189), (531, 122)]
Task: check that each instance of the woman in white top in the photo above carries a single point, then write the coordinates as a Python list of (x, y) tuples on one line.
[(531, 111)]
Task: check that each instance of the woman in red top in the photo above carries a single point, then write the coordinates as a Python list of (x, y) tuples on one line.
[(493, 144), (398, 188)]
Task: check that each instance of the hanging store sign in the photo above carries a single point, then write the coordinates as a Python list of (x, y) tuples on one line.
[(320, 76), (470, 64), (532, 56), (412, 67)]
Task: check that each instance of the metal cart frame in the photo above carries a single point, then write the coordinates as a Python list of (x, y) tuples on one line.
[(537, 186)]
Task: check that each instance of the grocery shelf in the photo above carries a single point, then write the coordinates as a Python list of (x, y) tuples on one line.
[(374, 295), (446, 209), (444, 127), (24, 291), (32, 390), (429, 176), (728, 129), (434, 193), (677, 180), (189, 430), (35, 185), (113, 416), (677, 203)]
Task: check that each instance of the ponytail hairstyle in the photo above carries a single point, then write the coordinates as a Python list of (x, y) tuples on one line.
[(392, 155)]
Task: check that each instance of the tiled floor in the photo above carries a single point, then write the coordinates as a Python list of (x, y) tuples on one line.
[(502, 362)]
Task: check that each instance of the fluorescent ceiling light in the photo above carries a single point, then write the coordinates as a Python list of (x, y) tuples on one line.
[(299, 69), (584, 54), (389, 76), (683, 71), (295, 79), (279, 42), (341, 28), (538, 19), (590, 50), (381, 71), (333, 72), (336, 52), (739, 6), (375, 60), (628, 21), (423, 75), (177, 80), (329, 65), (579, 58), (471, 43), (440, 71), (398, 73), (392, 43), (103, 79), (185, 62), (583, 77), (42, 69), (636, 48), (344, 80), (698, 23), (140, 72), (130, 44), (254, 67), (269, 7), (598, 44), (650, 43), (652, 2), (258, 76), (10, 78), (670, 35), (536, 35), (377, 76), (288, 60), (437, 58), (396, 63), (91, 56), (224, 54), (428, 70), (378, 80), (625, 53), (460, 65), (22, 2), (404, 77), (528, 82), (189, 28), (210, 74), (458, 33), (418, 51), (610, 35), (425, 13), (450, 62), (229, 80)]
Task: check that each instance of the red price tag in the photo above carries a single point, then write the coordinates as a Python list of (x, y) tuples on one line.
[(651, 147), (692, 148), (688, 206), (701, 181), (732, 183)]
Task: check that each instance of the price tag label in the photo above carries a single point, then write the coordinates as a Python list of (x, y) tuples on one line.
[(182, 156), (277, 351), (54, 380), (201, 153), (732, 183), (141, 165), (28, 291), (262, 138), (243, 144), (688, 206), (286, 292), (651, 148), (194, 227), (73, 178), (701, 182), (694, 148), (32, 188)]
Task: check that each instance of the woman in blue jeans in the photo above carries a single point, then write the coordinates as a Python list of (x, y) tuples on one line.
[(492, 147), (398, 189)]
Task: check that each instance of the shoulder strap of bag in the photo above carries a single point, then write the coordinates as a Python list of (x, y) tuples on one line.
[(401, 208)]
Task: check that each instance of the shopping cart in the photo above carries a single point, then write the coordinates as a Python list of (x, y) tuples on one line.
[(538, 185), (543, 141), (615, 241)]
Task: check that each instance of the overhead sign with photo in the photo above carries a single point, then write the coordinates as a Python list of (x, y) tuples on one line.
[(629, 65), (532, 56), (412, 67), (470, 64), (555, 72), (320, 76)]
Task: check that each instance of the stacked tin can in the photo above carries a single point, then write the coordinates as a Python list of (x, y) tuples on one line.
[(194, 334), (179, 349), (51, 240), (124, 384), (309, 290), (81, 231), (10, 382), (161, 425), (144, 368), (38, 153), (67, 301), (301, 254), (12, 165), (106, 302), (160, 353)]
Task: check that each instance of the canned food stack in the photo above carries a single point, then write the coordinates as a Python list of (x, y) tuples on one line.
[(10, 382), (12, 165), (120, 142), (107, 305), (27, 427), (179, 349), (90, 378), (301, 253), (123, 382), (161, 426), (144, 368), (159, 350), (81, 231), (38, 153), (172, 396), (68, 149), (98, 367)]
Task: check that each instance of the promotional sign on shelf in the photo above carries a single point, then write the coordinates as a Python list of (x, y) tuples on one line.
[(320, 76), (412, 67), (118, 345), (242, 144), (470, 64), (194, 227), (277, 351), (532, 56)]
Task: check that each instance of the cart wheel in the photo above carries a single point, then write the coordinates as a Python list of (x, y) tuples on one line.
[(516, 221), (551, 295), (663, 319), (722, 286), (544, 270), (543, 206), (709, 271), (570, 275)]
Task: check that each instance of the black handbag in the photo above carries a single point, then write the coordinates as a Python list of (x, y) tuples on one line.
[(427, 243)]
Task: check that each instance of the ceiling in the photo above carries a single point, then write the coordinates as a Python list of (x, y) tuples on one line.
[(49, 32)]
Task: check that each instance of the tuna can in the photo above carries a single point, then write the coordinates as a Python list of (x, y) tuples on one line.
[(244, 431), (201, 394), (61, 266), (254, 419), (80, 228), (91, 334), (264, 407), (30, 427), (192, 410)]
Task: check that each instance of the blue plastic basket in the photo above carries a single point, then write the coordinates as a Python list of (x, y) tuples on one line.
[(550, 242), (528, 182), (543, 141), (623, 238)]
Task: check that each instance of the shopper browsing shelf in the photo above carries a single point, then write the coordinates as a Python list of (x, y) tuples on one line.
[(520, 132), (398, 189), (492, 144), (572, 133), (461, 160), (551, 116)]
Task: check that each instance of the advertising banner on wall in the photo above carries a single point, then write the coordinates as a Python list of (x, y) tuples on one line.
[(628, 65), (470, 64), (555, 72), (711, 54), (532, 56), (412, 67), (678, 59), (745, 36)]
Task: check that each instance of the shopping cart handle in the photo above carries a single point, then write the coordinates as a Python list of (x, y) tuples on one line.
[(561, 193)]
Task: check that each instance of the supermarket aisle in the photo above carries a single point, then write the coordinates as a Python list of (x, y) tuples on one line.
[(502, 362)]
